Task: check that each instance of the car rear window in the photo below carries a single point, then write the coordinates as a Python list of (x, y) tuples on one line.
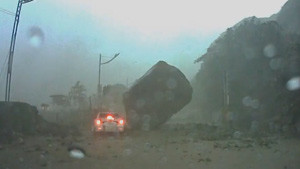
[(105, 114)]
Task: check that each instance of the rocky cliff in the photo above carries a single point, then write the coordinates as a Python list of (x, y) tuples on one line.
[(250, 74)]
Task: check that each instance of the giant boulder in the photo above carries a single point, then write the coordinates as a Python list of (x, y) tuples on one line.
[(156, 96)]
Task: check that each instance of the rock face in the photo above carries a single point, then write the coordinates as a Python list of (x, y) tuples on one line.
[(258, 62), (17, 117), (288, 17), (156, 96)]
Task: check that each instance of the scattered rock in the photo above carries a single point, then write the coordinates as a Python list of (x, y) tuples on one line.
[(204, 160)]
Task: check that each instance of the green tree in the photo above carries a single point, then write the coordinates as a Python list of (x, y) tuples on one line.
[(77, 95)]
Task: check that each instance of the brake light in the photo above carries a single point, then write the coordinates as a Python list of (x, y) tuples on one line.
[(98, 122), (121, 122), (110, 117)]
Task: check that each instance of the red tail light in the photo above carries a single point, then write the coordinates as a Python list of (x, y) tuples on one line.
[(121, 122), (110, 117), (97, 122)]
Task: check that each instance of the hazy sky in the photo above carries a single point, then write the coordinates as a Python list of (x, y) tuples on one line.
[(144, 32)]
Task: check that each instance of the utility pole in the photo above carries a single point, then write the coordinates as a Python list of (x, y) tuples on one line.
[(99, 87), (12, 48)]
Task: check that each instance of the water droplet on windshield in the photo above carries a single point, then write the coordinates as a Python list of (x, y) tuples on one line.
[(171, 83), (270, 51), (247, 101), (76, 152), (254, 103), (275, 63), (237, 135), (36, 36), (35, 41), (293, 84)]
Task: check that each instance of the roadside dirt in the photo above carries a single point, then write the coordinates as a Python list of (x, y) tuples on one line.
[(150, 149)]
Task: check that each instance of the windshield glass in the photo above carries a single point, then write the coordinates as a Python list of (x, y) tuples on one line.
[(189, 84)]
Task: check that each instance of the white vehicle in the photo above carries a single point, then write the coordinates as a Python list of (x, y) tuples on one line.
[(108, 122)]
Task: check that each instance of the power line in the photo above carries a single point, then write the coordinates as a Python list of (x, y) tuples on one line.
[(3, 66), (7, 12)]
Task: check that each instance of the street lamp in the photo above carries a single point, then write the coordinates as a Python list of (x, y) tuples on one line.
[(99, 89), (12, 48)]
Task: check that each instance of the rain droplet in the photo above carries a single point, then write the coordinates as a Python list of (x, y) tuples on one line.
[(35, 41), (237, 135), (171, 83), (275, 63), (270, 51), (76, 152), (36, 36), (247, 101), (293, 84), (254, 103)]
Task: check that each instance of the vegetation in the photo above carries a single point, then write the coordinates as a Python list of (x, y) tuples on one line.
[(259, 59)]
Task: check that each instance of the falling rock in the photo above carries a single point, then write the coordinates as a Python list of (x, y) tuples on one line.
[(161, 92)]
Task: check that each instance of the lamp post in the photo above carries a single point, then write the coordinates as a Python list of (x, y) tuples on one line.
[(99, 88), (12, 48)]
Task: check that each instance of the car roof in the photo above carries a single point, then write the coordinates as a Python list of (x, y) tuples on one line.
[(106, 113)]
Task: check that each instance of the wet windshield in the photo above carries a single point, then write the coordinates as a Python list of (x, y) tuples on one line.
[(149, 84)]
